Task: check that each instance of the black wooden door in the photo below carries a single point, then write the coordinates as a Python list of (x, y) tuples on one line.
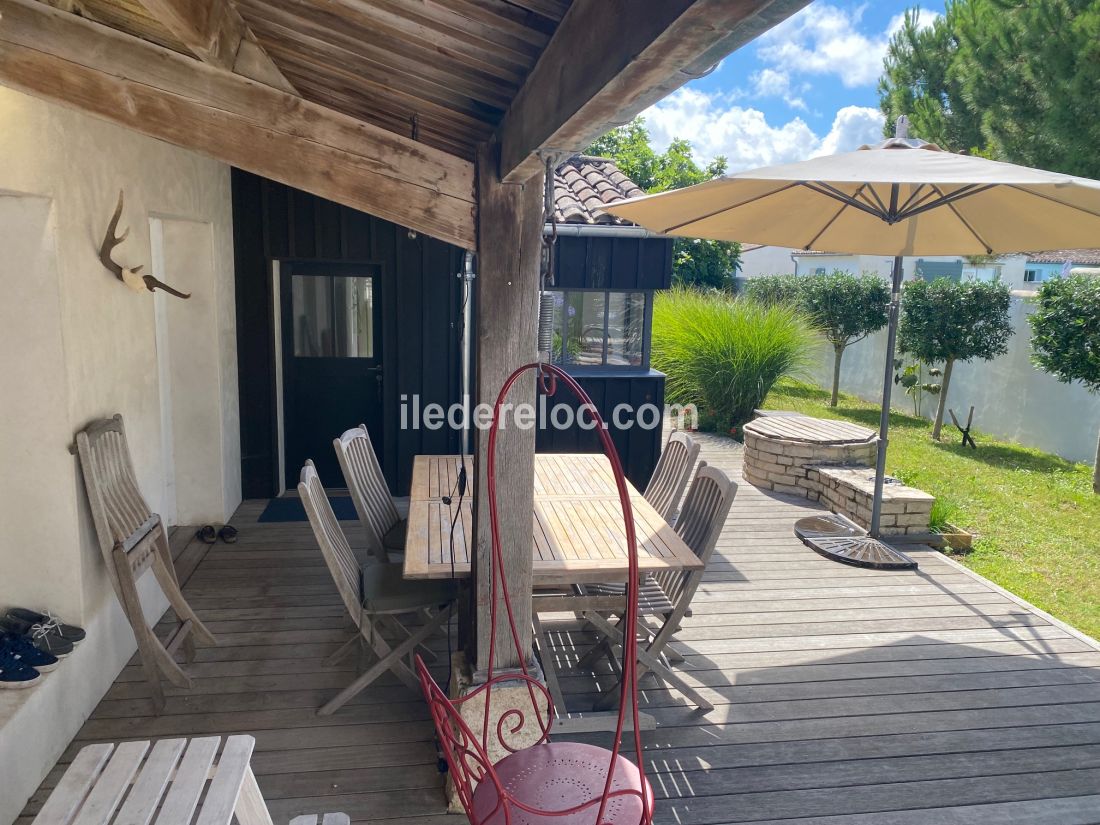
[(332, 361)]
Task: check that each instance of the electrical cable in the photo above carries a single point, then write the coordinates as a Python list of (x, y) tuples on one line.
[(460, 482)]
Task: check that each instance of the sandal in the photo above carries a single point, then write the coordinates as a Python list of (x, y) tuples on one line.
[(207, 534), (228, 534), (42, 624)]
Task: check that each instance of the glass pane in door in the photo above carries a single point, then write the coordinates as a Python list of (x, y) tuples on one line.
[(333, 316)]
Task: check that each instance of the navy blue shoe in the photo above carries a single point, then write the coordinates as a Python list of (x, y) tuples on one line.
[(15, 673), (26, 652), (48, 623), (40, 637)]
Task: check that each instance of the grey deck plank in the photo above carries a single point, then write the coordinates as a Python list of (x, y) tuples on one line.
[(842, 696)]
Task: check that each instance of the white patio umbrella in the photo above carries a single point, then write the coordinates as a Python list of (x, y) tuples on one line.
[(901, 197)]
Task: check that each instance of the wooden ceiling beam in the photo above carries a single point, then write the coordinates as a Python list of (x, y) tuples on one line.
[(215, 33), (103, 72), (430, 40), (375, 80), (552, 9), (610, 59), (272, 22)]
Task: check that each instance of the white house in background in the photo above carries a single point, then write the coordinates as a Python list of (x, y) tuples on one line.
[(757, 261), (1022, 273), (1009, 269), (1046, 265)]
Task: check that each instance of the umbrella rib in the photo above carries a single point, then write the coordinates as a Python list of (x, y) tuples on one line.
[(1052, 200), (832, 220), (963, 192), (878, 201), (754, 199), (920, 201), (822, 188), (915, 198), (966, 223)]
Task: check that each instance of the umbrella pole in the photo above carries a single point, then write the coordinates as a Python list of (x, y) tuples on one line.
[(887, 387), (834, 536)]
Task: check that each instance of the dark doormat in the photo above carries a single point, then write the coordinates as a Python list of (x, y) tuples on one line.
[(291, 509)]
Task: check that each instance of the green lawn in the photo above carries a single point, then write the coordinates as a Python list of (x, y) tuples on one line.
[(1036, 515)]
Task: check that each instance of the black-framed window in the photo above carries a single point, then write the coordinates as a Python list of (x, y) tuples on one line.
[(333, 315), (602, 328)]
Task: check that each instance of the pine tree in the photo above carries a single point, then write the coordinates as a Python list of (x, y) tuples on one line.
[(1015, 80)]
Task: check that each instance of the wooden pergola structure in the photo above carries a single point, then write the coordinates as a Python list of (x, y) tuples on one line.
[(435, 114)]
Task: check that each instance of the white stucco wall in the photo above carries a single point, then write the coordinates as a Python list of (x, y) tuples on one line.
[(766, 260), (76, 345), (1009, 269), (1011, 398)]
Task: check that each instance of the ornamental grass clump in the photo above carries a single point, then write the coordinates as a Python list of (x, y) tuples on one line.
[(724, 354)]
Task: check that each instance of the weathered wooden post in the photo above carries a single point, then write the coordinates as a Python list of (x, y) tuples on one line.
[(509, 235)]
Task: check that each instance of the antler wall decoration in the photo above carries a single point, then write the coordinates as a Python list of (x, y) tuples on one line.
[(130, 277)]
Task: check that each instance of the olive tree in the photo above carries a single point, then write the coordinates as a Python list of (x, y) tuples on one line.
[(1065, 336), (949, 321), (845, 308)]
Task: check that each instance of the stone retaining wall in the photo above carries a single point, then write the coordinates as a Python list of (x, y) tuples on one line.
[(780, 465), (840, 476), (851, 490)]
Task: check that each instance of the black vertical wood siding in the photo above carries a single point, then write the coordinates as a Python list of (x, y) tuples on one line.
[(618, 264), (421, 315), (638, 448), (421, 298), (582, 262)]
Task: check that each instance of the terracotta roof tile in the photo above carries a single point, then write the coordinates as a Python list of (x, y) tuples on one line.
[(583, 185), (1082, 257)]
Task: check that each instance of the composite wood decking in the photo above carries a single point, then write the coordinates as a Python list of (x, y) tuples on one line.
[(842, 696)]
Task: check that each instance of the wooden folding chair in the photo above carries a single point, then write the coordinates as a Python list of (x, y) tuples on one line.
[(665, 598), (670, 476), (132, 539), (374, 596), (370, 494)]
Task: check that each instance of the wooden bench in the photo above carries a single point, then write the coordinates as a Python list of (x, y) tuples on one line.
[(138, 783)]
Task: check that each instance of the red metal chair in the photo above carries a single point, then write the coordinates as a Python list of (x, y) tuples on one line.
[(564, 783)]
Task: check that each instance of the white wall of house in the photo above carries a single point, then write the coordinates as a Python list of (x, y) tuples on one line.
[(766, 260), (76, 345), (1011, 398), (1009, 269), (777, 260)]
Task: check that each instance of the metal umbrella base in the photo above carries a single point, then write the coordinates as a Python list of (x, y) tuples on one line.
[(836, 538)]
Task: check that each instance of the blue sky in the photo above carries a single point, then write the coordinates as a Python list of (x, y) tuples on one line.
[(805, 88)]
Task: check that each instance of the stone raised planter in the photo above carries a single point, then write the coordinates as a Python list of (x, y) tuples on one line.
[(830, 462)]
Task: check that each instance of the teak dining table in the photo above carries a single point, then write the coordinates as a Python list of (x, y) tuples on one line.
[(577, 538), (577, 524)]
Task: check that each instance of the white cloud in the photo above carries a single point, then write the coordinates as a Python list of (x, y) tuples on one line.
[(777, 83), (853, 126), (925, 19), (826, 39), (715, 126)]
